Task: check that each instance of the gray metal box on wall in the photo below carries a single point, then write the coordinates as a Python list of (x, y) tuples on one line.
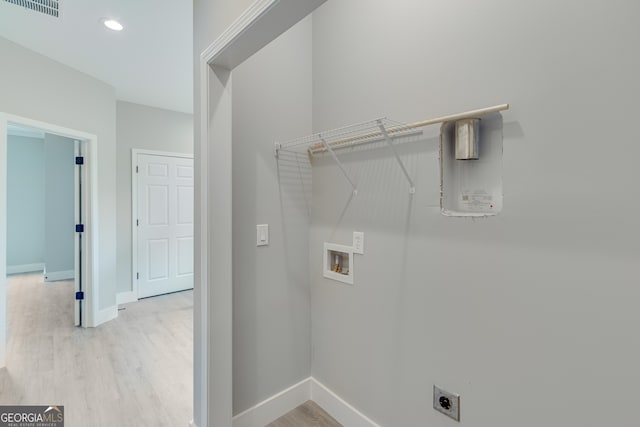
[(472, 187)]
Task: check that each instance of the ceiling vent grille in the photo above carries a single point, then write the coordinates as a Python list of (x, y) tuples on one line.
[(48, 7)]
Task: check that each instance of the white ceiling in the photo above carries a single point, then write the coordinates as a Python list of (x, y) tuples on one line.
[(150, 62)]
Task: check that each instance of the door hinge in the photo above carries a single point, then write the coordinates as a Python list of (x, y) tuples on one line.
[(79, 228), (137, 276), (80, 295), (136, 169), (137, 222), (80, 160)]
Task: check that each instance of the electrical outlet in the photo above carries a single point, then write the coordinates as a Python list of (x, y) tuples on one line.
[(358, 242), (446, 403)]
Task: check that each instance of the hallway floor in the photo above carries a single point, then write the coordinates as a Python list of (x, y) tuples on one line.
[(133, 371), (309, 414)]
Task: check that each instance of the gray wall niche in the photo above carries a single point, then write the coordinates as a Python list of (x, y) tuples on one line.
[(547, 300), (271, 293)]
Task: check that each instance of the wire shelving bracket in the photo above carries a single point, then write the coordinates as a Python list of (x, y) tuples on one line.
[(335, 158), (383, 130)]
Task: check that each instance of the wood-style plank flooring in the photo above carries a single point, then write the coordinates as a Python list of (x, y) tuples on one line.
[(133, 371), (308, 414)]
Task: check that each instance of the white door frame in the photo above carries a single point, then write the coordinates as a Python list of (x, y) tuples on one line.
[(89, 209), (78, 178), (125, 297), (260, 24)]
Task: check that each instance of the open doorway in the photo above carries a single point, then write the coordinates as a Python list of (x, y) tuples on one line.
[(78, 149), (43, 207)]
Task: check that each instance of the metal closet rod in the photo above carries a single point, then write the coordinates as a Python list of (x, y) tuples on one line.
[(319, 147)]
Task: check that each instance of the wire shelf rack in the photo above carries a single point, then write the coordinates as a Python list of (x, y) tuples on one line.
[(382, 129), (348, 136)]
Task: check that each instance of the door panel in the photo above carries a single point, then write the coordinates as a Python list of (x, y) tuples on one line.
[(158, 169), (158, 265), (185, 205), (185, 256), (158, 204), (185, 171), (165, 224)]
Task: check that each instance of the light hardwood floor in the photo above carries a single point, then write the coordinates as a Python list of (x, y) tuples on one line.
[(133, 371), (308, 414)]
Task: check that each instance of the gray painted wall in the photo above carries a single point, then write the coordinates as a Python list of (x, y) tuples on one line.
[(36, 87), (271, 294), (546, 301), (271, 101), (538, 320), (59, 203), (25, 201), (142, 127)]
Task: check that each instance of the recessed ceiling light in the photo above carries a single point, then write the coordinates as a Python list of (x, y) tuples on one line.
[(112, 24)]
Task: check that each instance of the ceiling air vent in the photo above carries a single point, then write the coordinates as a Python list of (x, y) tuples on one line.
[(48, 7)]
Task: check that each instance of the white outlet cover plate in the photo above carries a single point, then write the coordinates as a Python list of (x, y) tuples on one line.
[(358, 242)]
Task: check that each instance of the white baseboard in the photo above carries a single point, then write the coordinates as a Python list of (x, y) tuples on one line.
[(54, 276), (192, 424), (25, 268), (335, 406), (105, 315), (126, 297), (274, 407), (310, 389)]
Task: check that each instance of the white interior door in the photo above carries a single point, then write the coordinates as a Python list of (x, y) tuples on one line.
[(165, 224)]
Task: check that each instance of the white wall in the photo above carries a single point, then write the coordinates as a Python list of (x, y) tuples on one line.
[(25, 202), (536, 326), (59, 206), (149, 128), (36, 87)]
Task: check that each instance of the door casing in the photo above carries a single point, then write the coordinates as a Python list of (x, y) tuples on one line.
[(90, 219)]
